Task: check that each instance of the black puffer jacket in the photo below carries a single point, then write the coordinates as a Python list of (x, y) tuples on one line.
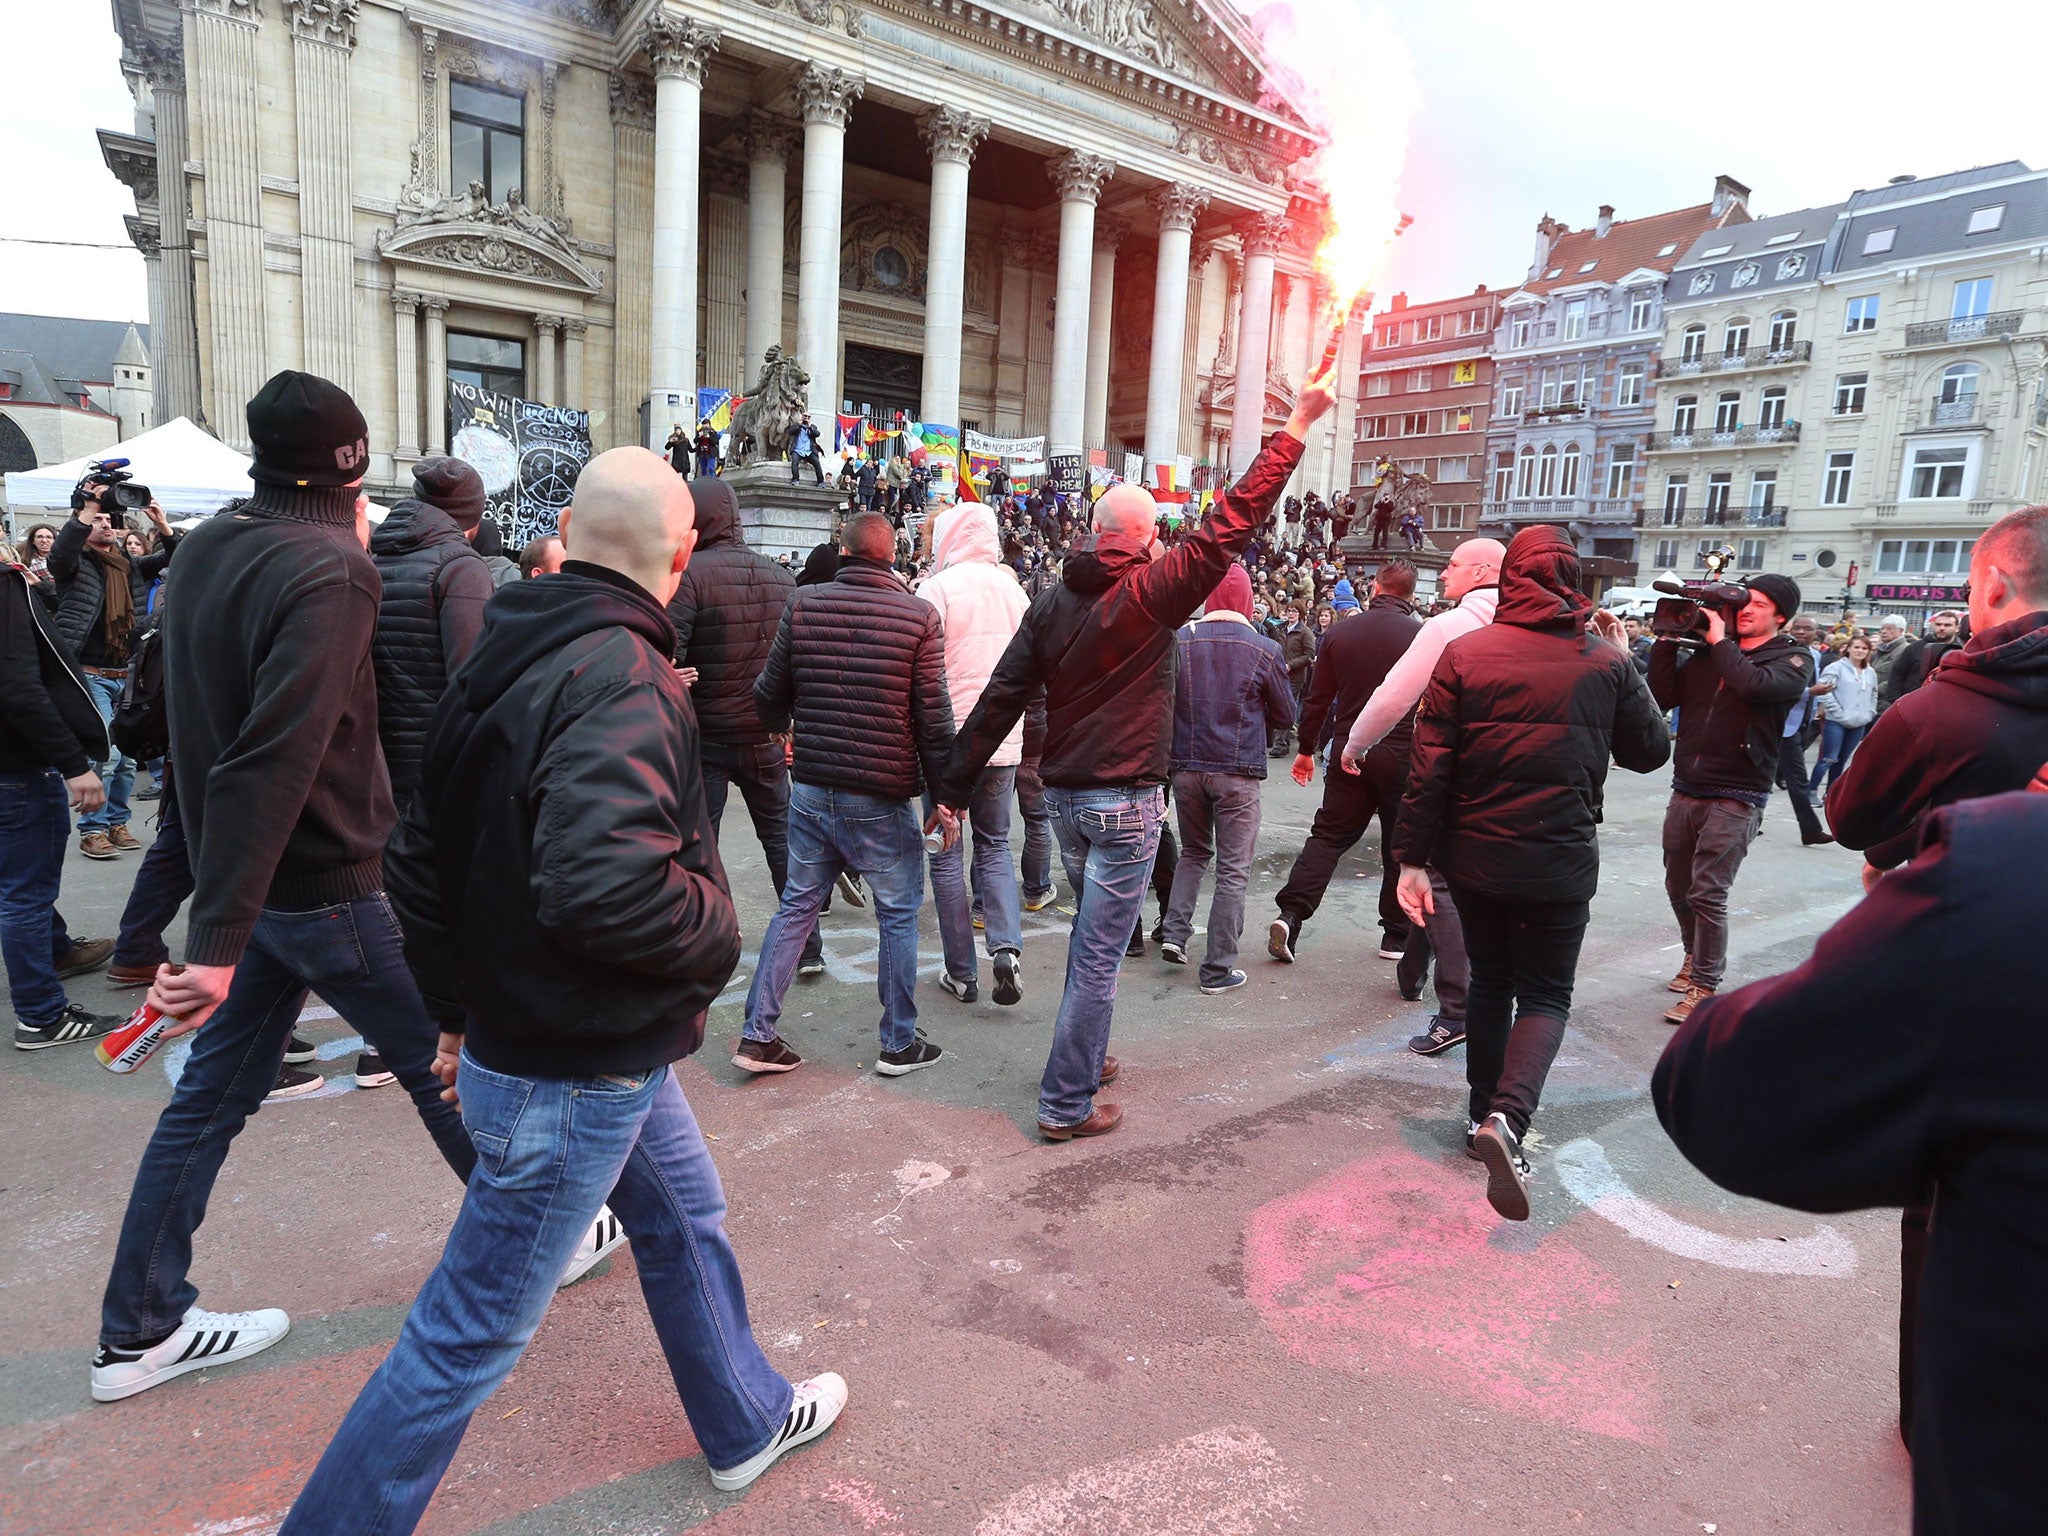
[(1101, 645), (81, 586), (1979, 726), (435, 588), (555, 874), (1514, 736), (725, 611), (47, 719), (1731, 707), (859, 663), (1354, 659)]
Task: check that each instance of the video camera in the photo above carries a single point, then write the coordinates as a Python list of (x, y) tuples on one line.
[(117, 486), (1682, 616)]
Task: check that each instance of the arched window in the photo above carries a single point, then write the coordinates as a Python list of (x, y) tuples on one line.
[(1735, 338), (1959, 382), (1546, 473), (1525, 472), (1728, 411), (1568, 471), (1685, 415), (1694, 347), (1784, 330)]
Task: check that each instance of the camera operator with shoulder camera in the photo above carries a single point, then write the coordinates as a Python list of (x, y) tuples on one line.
[(1722, 659), (97, 617)]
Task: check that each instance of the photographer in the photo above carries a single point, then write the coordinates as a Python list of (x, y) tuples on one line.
[(1732, 692), (96, 620)]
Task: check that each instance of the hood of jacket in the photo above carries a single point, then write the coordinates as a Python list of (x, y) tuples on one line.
[(532, 619), (821, 564), (718, 512), (413, 525), (1539, 582), (2007, 662), (1094, 570), (966, 535)]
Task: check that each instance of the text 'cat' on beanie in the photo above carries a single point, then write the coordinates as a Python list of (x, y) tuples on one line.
[(306, 431)]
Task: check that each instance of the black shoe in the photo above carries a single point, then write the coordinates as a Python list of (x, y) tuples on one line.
[(1281, 938), (1009, 989), (1815, 839), (1159, 930), (148, 792), (1407, 996), (850, 887), (1438, 1038), (765, 1056), (371, 1071), (966, 991), (1507, 1171), (918, 1054), (293, 1082), (1136, 948), (68, 1028), (811, 965), (297, 1050)]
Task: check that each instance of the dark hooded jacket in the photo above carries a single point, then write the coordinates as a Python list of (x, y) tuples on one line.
[(1101, 645), (1515, 733), (1978, 726), (1731, 707), (47, 718), (725, 611), (1352, 661), (555, 874), (435, 588)]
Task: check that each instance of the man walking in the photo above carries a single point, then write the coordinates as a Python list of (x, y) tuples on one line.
[(1884, 656), (1733, 694), (858, 664), (565, 909), (1918, 660), (1230, 691), (1298, 655), (1353, 660), (1792, 774), (1511, 752), (1471, 579), (1101, 646)]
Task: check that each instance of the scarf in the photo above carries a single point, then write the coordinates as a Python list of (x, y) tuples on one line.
[(118, 606)]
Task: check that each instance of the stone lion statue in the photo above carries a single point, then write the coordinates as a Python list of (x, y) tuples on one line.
[(767, 418)]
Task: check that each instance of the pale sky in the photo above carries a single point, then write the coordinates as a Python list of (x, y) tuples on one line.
[(1525, 110)]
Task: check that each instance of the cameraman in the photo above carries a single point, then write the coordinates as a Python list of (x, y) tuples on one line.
[(1732, 694), (96, 620)]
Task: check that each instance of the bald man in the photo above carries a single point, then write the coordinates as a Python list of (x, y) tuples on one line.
[(1101, 645), (567, 916)]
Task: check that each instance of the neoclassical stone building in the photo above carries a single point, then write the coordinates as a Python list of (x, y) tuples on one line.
[(1075, 217)]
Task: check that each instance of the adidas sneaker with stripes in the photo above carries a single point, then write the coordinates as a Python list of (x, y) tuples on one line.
[(813, 1410), (203, 1339)]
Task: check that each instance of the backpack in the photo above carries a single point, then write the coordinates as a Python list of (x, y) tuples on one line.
[(141, 727)]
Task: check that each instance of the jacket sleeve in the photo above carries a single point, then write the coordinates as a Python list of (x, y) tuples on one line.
[(1430, 769), (609, 879), (25, 702), (1667, 673), (1777, 680), (1818, 1089), (931, 703), (412, 883), (69, 546), (1275, 692), (775, 688), (1875, 804), (1017, 681), (1400, 690), (1173, 586), (1903, 678), (151, 566), (1642, 741), (1828, 704), (1315, 704), (466, 587)]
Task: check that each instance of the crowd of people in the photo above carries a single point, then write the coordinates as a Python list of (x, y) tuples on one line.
[(482, 817)]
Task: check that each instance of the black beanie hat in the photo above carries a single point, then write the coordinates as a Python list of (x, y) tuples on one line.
[(454, 487), (1783, 592), (305, 431)]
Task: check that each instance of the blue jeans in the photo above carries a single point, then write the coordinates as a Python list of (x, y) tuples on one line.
[(831, 830), (995, 878), (117, 772), (1109, 835), (352, 953), (762, 773), (1219, 815), (1037, 869), (1837, 744), (35, 825), (162, 883), (549, 1152)]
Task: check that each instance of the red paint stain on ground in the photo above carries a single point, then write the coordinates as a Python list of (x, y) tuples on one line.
[(1387, 1265)]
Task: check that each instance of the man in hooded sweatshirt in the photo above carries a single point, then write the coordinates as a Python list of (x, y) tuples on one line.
[(1511, 751), (1101, 647), (981, 604)]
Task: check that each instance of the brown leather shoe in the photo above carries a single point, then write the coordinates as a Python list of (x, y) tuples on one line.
[(84, 955), (1681, 1010), (123, 839), (1683, 980), (134, 975), (1110, 1067), (95, 845), (1107, 1117)]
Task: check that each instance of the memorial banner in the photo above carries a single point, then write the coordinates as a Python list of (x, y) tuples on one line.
[(1064, 473), (528, 455), (1030, 449)]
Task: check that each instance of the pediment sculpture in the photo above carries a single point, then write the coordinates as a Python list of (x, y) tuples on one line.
[(509, 239)]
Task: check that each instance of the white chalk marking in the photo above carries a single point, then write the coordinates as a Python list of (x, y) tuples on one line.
[(1222, 1482), (1583, 1169)]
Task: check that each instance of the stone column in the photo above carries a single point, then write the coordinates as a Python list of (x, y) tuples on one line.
[(546, 328), (437, 372), (1178, 206), (174, 338), (679, 49), (770, 141), (725, 276), (225, 77), (1262, 235), (632, 104), (827, 96), (1079, 176), (1109, 234), (952, 135), (323, 41), (405, 308), (575, 392)]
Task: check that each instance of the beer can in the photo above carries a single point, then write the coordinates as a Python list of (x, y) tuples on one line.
[(136, 1041)]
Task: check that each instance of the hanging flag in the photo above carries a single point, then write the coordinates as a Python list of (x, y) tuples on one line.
[(849, 432), (967, 487), (715, 406)]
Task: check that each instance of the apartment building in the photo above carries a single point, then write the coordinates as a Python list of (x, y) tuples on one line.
[(1424, 393), (1734, 388), (1573, 391)]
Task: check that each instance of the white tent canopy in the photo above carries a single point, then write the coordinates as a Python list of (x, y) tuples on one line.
[(191, 472)]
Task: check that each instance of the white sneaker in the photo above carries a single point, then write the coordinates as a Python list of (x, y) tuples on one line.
[(204, 1340), (818, 1403), (604, 1236)]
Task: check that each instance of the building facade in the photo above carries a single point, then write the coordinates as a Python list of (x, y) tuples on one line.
[(1028, 216), (1425, 395), (1573, 387), (69, 388)]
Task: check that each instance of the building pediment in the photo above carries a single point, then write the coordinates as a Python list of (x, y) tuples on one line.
[(490, 246), (1639, 277), (1521, 298)]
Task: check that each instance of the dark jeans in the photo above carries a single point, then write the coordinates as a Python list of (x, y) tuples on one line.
[(354, 955), (811, 458), (1037, 863), (762, 772), (1351, 801), (1444, 941), (35, 826), (1219, 818), (1916, 1223), (1792, 774), (162, 882), (1838, 743), (1704, 845), (1525, 957)]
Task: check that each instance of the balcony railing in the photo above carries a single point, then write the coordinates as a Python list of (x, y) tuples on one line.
[(1701, 438), (1555, 509), (1959, 412), (1563, 408), (1734, 362), (1936, 333), (1710, 517)]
